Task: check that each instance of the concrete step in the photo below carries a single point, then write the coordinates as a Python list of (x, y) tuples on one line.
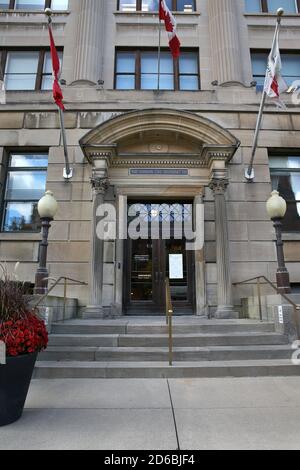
[(85, 327), (202, 340), (204, 328), (262, 368), (226, 353), (197, 340), (83, 340), (139, 348), (104, 327)]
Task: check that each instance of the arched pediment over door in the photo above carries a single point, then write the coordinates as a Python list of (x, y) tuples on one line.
[(158, 137)]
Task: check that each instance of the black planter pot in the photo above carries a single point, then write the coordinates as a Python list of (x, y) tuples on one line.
[(15, 379)]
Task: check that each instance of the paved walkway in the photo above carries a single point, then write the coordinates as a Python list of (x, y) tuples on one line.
[(262, 413)]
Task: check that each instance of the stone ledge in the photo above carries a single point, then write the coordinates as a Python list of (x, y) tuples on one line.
[(291, 236), (20, 237)]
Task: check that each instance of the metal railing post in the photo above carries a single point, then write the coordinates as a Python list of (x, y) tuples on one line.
[(169, 315), (167, 302), (170, 338), (65, 297), (259, 299)]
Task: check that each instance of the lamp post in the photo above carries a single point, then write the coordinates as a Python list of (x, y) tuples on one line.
[(47, 208), (276, 208)]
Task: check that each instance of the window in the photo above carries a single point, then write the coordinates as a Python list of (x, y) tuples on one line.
[(188, 71), (47, 74), (149, 71), (27, 70), (290, 66), (25, 185), (152, 5), (271, 6), (285, 175), (138, 70), (34, 4)]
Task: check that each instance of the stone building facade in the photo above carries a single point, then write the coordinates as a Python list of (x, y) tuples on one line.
[(142, 145)]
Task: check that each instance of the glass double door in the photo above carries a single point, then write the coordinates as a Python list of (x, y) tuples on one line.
[(148, 264)]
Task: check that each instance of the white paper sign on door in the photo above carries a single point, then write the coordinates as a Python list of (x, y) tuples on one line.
[(176, 266)]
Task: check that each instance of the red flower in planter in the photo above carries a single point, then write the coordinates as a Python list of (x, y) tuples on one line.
[(25, 336), (22, 331)]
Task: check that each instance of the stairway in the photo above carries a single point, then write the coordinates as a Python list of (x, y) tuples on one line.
[(138, 348)]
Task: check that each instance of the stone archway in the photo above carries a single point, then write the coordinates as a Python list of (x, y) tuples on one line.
[(209, 136), (122, 144)]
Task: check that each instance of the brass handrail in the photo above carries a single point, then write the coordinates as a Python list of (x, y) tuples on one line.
[(295, 306), (66, 281), (169, 319)]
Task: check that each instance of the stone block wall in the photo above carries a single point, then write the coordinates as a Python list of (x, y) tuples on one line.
[(251, 233), (29, 121)]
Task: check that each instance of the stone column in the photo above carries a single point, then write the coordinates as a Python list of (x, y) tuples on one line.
[(119, 264), (225, 41), (225, 303), (201, 302), (90, 42), (100, 185)]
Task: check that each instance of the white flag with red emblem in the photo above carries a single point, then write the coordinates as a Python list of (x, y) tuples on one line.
[(171, 26), (274, 83)]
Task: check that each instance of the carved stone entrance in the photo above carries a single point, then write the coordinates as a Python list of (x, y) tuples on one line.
[(160, 154)]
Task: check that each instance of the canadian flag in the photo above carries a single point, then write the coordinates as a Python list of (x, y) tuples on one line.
[(274, 82), (171, 26), (57, 91)]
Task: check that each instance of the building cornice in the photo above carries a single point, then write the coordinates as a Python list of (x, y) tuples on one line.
[(158, 160), (100, 153), (218, 153)]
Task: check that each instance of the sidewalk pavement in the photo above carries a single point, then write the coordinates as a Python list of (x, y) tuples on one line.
[(159, 414)]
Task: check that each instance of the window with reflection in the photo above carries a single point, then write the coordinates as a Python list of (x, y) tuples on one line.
[(138, 70), (149, 71), (46, 80), (128, 6), (32, 5), (28, 70), (25, 185), (271, 6), (290, 66), (285, 176)]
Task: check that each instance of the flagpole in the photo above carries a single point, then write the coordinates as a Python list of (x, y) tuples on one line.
[(68, 171), (249, 173), (159, 46), (159, 49)]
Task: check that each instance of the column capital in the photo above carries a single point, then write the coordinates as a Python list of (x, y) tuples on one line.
[(219, 185), (100, 183)]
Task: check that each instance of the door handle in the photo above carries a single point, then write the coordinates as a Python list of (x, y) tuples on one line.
[(156, 276)]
